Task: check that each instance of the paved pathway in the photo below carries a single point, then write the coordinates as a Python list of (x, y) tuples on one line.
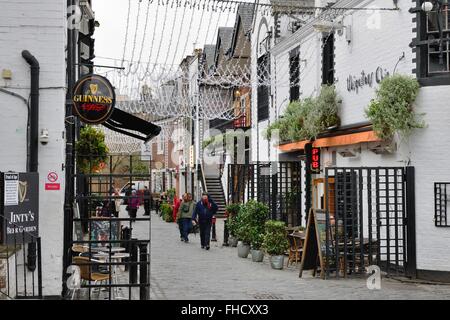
[(184, 271)]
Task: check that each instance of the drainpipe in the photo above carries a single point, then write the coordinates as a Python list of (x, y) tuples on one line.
[(34, 137), (34, 110)]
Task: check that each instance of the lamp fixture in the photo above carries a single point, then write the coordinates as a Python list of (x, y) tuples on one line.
[(87, 10)]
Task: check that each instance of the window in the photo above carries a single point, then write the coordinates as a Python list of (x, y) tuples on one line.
[(441, 204), (328, 60), (433, 46), (294, 74), (263, 73)]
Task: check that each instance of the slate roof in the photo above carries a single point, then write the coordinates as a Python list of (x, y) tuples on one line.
[(209, 52), (245, 12), (225, 35)]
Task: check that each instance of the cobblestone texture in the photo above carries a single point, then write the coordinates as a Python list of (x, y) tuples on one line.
[(184, 271)]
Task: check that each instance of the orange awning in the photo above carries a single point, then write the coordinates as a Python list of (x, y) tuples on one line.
[(343, 140)]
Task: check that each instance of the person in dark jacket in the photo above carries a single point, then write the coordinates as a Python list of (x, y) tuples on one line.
[(204, 212), (147, 198)]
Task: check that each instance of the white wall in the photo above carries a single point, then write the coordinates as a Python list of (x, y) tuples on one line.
[(40, 27), (379, 40)]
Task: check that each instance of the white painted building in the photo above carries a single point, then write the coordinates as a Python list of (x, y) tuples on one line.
[(378, 43), (40, 28)]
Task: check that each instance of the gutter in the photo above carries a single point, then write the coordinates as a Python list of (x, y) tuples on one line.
[(34, 110)]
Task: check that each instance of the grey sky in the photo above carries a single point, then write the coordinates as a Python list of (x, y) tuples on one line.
[(172, 46)]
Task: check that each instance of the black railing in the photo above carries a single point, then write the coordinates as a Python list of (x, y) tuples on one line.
[(441, 204), (367, 219), (110, 249), (20, 263), (277, 184)]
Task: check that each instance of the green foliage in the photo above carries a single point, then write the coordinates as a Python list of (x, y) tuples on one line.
[(171, 193), (307, 118), (392, 110), (166, 212), (251, 219), (275, 239), (233, 209), (91, 149)]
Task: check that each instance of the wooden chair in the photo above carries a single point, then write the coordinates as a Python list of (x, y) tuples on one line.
[(85, 264), (295, 249)]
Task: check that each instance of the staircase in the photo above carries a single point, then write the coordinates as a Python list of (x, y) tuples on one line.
[(215, 190)]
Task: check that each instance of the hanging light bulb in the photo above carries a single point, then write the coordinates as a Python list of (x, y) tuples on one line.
[(427, 6)]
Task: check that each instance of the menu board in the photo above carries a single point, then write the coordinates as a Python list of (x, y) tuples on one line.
[(315, 247)]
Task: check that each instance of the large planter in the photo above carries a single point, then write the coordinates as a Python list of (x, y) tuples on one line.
[(277, 262), (233, 241), (243, 250), (257, 255)]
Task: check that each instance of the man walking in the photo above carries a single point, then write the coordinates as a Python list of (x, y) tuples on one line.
[(204, 212), (146, 201)]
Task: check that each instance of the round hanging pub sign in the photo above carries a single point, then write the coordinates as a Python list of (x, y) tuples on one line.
[(94, 99)]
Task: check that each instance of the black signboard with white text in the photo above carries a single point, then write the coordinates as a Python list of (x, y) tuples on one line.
[(20, 207)]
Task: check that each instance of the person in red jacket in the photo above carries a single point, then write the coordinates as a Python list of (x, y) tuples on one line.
[(176, 207)]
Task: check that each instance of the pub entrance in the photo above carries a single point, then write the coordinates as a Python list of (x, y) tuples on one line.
[(370, 218), (110, 244)]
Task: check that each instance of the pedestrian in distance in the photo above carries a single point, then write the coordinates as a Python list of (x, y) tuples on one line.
[(204, 212), (184, 216), (146, 201), (133, 205)]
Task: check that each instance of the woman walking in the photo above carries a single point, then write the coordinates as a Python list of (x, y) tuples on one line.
[(184, 216), (133, 205)]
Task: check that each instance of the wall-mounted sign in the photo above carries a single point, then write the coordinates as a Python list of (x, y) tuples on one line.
[(22, 218), (11, 189), (94, 99), (52, 182), (354, 83), (313, 159)]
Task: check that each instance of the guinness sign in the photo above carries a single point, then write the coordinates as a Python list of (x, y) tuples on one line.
[(94, 99)]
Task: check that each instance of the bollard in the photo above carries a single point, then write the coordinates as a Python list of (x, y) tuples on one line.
[(143, 272), (126, 235), (226, 234), (133, 260), (213, 237)]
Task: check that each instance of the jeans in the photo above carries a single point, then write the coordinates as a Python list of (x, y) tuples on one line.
[(185, 227), (205, 232)]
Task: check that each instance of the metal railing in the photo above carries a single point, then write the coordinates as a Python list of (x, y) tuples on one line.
[(20, 263), (369, 220), (277, 184), (441, 204)]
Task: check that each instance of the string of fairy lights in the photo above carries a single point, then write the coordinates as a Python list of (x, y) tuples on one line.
[(159, 86)]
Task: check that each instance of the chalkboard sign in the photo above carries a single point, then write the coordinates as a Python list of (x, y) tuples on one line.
[(315, 248), (103, 229)]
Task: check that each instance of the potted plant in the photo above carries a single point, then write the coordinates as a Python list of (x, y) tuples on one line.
[(244, 232), (275, 243), (166, 212), (258, 214), (232, 211), (392, 111)]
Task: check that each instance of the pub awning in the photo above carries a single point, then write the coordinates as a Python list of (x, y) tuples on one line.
[(132, 126)]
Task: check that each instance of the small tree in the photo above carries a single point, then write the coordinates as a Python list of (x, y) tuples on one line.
[(91, 149)]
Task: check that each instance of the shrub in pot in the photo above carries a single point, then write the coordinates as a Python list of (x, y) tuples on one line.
[(275, 242), (258, 214), (244, 231), (232, 211), (166, 212)]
